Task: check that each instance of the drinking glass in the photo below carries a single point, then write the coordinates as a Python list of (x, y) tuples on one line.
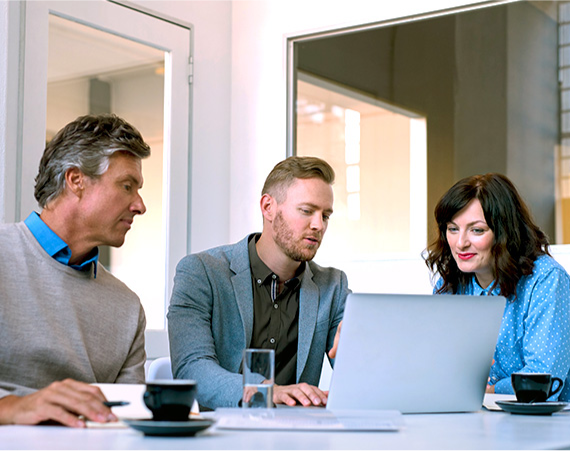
[(258, 378)]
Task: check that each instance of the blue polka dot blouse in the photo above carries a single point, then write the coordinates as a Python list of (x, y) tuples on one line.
[(535, 331)]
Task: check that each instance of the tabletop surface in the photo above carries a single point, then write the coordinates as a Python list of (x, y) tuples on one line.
[(478, 430)]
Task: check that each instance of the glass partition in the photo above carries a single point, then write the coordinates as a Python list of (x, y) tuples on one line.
[(375, 149), (486, 81), (91, 72)]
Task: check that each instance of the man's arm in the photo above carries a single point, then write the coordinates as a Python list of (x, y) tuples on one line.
[(199, 289), (64, 402), (338, 307), (332, 352)]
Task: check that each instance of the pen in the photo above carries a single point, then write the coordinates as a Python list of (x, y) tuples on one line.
[(116, 403)]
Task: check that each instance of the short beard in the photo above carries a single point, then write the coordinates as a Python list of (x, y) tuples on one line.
[(284, 238)]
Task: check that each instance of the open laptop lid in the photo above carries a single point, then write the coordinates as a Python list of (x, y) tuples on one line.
[(415, 353)]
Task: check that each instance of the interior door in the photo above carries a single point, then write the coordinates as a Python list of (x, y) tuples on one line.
[(94, 57)]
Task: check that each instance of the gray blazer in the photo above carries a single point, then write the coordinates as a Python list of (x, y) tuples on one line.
[(210, 320)]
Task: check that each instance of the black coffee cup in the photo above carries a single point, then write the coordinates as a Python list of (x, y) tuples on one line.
[(170, 400), (534, 387)]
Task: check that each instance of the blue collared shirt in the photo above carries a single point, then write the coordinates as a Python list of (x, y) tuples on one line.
[(55, 246), (535, 330)]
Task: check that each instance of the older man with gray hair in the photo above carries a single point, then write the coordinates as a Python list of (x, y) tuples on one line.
[(65, 321)]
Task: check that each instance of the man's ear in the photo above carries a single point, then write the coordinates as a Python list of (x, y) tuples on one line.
[(75, 181), (268, 206)]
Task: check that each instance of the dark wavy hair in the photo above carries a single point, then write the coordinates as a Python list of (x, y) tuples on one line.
[(518, 240)]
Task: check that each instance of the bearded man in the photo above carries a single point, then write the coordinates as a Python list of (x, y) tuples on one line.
[(263, 292)]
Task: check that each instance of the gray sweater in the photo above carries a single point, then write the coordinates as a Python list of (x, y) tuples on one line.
[(57, 322)]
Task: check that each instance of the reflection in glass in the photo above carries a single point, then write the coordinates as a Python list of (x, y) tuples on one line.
[(487, 80), (92, 72), (379, 156)]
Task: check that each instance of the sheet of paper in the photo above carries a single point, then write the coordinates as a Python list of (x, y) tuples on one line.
[(489, 402), (308, 419), (132, 393), (136, 409)]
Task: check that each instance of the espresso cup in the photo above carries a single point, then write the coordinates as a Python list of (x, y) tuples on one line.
[(170, 400), (534, 387)]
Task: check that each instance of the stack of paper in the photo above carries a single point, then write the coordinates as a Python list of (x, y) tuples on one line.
[(314, 419)]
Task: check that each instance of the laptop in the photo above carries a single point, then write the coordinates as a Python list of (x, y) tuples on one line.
[(415, 353)]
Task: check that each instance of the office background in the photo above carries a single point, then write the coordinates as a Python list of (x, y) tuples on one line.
[(238, 121)]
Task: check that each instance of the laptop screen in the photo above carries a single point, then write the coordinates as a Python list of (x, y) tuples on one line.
[(415, 353)]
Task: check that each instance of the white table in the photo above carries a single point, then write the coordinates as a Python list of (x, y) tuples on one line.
[(480, 430)]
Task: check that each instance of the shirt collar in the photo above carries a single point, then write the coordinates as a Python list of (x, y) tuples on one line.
[(491, 290), (260, 271), (55, 246)]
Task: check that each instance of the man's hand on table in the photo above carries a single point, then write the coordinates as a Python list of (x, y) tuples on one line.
[(305, 394), (68, 402)]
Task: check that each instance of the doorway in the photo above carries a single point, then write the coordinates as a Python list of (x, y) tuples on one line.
[(100, 57)]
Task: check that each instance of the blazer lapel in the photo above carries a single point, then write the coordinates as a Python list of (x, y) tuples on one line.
[(242, 290), (308, 308)]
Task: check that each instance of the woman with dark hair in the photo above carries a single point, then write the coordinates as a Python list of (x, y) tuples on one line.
[(488, 244)]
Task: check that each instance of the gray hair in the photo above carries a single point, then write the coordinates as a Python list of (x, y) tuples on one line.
[(87, 143)]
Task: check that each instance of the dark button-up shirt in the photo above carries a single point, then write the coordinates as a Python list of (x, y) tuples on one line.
[(275, 315)]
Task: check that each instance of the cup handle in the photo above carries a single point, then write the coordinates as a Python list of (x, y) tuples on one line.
[(153, 400), (560, 384)]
